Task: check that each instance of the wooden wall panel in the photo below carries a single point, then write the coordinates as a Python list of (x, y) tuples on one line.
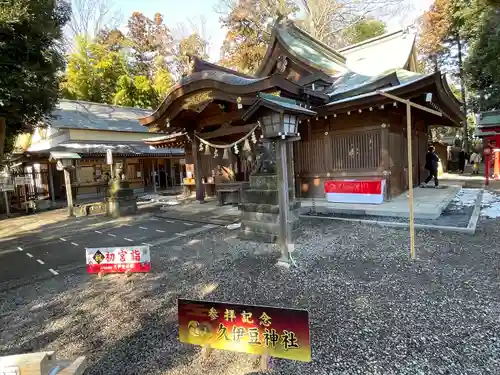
[(356, 150)]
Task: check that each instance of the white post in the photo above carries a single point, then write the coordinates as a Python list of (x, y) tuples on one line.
[(69, 194)]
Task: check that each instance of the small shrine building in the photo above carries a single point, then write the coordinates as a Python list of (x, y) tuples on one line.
[(348, 129), (488, 129)]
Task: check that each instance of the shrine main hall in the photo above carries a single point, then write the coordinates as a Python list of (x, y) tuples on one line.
[(344, 107)]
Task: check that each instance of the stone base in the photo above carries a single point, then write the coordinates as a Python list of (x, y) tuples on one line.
[(247, 234), (117, 207), (260, 221)]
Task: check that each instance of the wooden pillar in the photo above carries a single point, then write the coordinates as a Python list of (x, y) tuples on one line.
[(125, 168), (51, 183), (77, 171), (155, 172), (496, 165), (385, 158), (200, 194), (143, 177)]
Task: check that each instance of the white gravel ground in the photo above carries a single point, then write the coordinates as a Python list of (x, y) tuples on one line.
[(372, 311)]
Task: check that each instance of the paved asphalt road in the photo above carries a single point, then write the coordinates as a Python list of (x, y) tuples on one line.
[(61, 248)]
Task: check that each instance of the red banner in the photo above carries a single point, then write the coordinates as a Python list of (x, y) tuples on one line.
[(354, 187), (118, 268)]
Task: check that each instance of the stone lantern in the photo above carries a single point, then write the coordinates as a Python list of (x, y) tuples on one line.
[(269, 212)]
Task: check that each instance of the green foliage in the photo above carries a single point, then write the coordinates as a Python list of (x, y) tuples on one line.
[(29, 61), (364, 29), (92, 72), (135, 92), (483, 65), (129, 70)]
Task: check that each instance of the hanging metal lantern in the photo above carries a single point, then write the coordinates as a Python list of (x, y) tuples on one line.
[(207, 150), (225, 155)]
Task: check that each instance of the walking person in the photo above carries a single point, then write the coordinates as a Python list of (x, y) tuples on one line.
[(462, 156), (431, 164), (475, 159)]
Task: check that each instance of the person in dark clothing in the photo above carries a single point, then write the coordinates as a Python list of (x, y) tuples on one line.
[(462, 156), (431, 164)]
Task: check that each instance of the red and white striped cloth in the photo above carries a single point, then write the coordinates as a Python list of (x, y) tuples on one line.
[(355, 191)]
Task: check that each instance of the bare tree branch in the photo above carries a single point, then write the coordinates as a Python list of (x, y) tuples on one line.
[(90, 16)]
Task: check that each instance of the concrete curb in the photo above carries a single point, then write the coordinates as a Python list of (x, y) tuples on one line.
[(397, 225), (477, 211), (470, 229)]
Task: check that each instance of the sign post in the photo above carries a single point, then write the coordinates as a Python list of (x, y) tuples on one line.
[(266, 331), (109, 161), (126, 259), (65, 162)]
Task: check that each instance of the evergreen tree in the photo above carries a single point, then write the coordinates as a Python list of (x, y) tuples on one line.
[(30, 60)]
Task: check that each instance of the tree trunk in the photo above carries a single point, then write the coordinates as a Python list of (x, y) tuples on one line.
[(462, 91)]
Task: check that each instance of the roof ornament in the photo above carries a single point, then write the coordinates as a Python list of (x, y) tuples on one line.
[(189, 69), (281, 64)]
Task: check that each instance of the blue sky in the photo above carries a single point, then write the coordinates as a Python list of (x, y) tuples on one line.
[(181, 11)]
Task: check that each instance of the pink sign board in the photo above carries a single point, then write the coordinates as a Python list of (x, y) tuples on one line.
[(118, 259)]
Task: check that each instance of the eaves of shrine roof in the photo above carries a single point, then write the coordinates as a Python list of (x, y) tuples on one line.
[(409, 86), (489, 119), (351, 84), (376, 55)]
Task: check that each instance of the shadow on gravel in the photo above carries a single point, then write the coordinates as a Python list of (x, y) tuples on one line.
[(371, 309)]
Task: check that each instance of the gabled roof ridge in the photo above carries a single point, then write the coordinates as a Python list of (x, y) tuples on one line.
[(377, 39), (199, 61), (318, 42)]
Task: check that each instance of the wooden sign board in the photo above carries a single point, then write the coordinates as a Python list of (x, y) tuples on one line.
[(40, 363), (109, 157), (268, 331), (118, 259)]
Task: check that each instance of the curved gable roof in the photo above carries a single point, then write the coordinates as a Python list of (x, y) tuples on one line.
[(305, 48), (376, 55)]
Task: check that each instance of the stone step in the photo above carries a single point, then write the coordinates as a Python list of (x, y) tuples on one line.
[(266, 208), (266, 227), (248, 235), (263, 196), (266, 182), (266, 217), (257, 237)]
